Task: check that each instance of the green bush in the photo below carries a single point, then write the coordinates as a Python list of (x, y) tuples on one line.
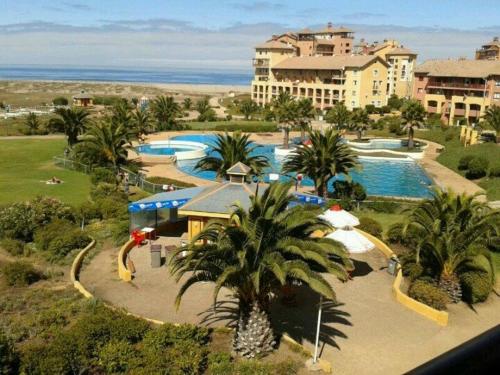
[(107, 190), (60, 100), (99, 175), (476, 286), (478, 167), (385, 109), (44, 235), (383, 206), (13, 247), (9, 359), (110, 208), (428, 294), (394, 102), (187, 358), (115, 356), (220, 363), (167, 335), (370, 226), (66, 242), (120, 232), (463, 163), (20, 273), (370, 108), (495, 171)]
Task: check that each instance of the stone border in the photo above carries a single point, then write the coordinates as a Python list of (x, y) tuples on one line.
[(438, 316), (75, 270), (324, 365)]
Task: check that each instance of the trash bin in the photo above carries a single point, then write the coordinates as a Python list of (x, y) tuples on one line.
[(392, 267), (155, 256)]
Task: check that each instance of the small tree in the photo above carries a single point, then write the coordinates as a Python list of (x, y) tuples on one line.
[(206, 113), (60, 100), (492, 117), (285, 112), (305, 113), (338, 115), (33, 123), (187, 104), (413, 114), (394, 102), (247, 108), (359, 121)]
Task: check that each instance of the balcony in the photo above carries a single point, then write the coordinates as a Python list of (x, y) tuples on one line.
[(459, 111), (431, 109), (474, 113), (260, 63), (457, 85)]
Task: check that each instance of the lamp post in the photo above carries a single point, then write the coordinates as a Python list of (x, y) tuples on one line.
[(316, 342)]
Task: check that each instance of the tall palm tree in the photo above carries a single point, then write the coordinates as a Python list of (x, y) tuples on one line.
[(305, 113), (229, 150), (260, 250), (247, 108), (32, 122), (72, 121), (121, 114), (141, 120), (453, 233), (285, 112), (165, 111), (413, 114), (326, 157), (492, 117), (359, 121), (339, 116), (108, 141)]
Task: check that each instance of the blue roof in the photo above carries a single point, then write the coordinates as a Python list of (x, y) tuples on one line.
[(170, 199)]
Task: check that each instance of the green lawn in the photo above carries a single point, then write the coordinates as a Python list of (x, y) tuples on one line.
[(243, 124), (25, 165), (385, 219)]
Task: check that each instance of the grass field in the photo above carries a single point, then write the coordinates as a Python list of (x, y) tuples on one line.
[(16, 125), (25, 165), (251, 125)]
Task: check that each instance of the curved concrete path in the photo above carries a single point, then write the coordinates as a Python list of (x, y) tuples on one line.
[(369, 332)]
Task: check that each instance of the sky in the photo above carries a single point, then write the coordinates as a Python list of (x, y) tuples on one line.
[(220, 34)]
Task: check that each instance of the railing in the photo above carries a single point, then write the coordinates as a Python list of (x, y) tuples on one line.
[(260, 63), (458, 85), (135, 179)]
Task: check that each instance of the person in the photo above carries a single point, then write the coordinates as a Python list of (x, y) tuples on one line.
[(298, 181)]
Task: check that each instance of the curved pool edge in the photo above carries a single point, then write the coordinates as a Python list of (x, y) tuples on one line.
[(197, 150)]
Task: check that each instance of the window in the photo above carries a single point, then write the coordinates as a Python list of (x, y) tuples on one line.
[(355, 83), (420, 90), (496, 95), (353, 104), (497, 83), (375, 72), (354, 93)]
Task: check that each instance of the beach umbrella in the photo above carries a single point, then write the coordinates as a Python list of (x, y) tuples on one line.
[(339, 218), (354, 241)]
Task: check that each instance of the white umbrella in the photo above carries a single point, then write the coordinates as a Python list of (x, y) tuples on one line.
[(339, 218), (354, 241)]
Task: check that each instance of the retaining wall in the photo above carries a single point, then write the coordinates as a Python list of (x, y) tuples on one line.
[(123, 272), (75, 270)]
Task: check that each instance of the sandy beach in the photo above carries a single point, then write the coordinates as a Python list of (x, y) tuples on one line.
[(33, 92)]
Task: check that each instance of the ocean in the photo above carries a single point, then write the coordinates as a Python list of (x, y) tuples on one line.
[(125, 75)]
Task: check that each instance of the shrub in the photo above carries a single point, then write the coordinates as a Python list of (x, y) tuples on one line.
[(464, 161), (247, 128), (111, 208), (102, 175), (107, 190), (449, 137), (220, 363), (167, 335), (13, 247), (20, 273), (62, 245), (9, 359), (476, 286), (44, 235), (394, 127), (120, 232), (495, 171), (60, 100), (395, 235), (114, 357), (371, 226), (187, 358), (478, 168), (370, 108), (394, 102), (385, 109), (429, 294)]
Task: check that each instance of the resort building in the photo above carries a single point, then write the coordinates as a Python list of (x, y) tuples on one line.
[(328, 68), (489, 51), (458, 89), (83, 100), (401, 62)]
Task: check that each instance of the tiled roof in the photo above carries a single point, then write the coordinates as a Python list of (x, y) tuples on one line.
[(82, 95), (326, 62), (274, 44), (401, 51), (460, 68), (239, 168)]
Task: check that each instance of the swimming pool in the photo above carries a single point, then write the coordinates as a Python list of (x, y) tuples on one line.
[(386, 177), (182, 149), (386, 144)]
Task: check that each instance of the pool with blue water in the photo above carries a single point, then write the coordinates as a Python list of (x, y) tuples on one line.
[(384, 177), (160, 150)]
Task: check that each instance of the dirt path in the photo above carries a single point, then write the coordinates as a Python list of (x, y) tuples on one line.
[(369, 329)]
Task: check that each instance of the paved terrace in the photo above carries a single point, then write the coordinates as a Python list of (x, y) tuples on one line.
[(368, 330)]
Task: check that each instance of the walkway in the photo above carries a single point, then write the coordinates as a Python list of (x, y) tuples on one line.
[(369, 330)]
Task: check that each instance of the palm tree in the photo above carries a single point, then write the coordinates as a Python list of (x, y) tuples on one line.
[(32, 122), (120, 113), (248, 107), (72, 121), (187, 103), (142, 122), (285, 112), (359, 120), (413, 114), (492, 117), (453, 233), (108, 141), (338, 115), (206, 113), (260, 250), (326, 157), (229, 150), (305, 113), (165, 111)]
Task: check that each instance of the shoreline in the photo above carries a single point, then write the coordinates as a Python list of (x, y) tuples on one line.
[(206, 88)]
